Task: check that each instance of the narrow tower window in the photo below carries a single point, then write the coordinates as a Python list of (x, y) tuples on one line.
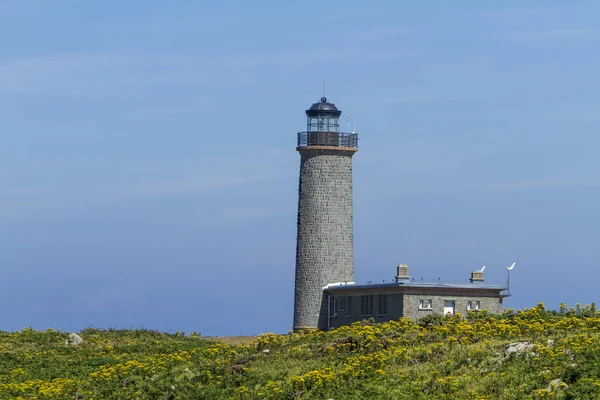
[(382, 304), (366, 305), (349, 312)]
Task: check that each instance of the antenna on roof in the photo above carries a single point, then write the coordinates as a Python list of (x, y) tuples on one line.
[(348, 118), (323, 89), (508, 280)]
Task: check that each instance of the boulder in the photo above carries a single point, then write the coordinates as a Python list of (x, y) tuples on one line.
[(74, 340), (517, 348), (556, 384)]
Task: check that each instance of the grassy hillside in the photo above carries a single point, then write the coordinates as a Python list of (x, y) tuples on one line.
[(437, 358)]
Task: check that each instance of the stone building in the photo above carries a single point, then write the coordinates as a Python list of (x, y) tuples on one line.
[(325, 241), (406, 298), (325, 295)]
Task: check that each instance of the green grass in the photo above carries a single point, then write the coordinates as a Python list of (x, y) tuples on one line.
[(436, 358)]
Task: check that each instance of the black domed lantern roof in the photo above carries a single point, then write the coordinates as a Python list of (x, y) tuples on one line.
[(323, 108)]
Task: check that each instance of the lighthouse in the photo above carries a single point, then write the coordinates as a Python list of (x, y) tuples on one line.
[(325, 237)]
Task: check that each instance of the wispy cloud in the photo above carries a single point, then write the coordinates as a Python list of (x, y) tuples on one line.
[(410, 99), (338, 16), (96, 299), (89, 73), (555, 33), (558, 21), (72, 201), (15, 8), (68, 200), (165, 26), (586, 112), (65, 202), (550, 184), (379, 32), (120, 70), (109, 298), (234, 215), (513, 13)]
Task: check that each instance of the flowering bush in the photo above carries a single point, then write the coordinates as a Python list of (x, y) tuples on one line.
[(458, 357)]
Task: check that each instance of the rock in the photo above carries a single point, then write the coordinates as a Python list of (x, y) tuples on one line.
[(550, 342), (74, 340), (266, 351), (517, 348), (556, 384)]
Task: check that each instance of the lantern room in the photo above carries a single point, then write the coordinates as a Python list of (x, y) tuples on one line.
[(323, 127), (323, 117)]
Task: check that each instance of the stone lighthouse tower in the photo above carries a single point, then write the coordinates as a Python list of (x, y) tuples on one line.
[(325, 243)]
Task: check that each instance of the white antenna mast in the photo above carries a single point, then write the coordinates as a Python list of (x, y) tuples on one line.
[(348, 118), (508, 280)]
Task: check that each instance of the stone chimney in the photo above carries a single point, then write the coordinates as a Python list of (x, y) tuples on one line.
[(476, 277), (402, 273)]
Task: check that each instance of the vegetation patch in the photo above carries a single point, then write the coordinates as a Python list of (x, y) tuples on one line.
[(526, 354)]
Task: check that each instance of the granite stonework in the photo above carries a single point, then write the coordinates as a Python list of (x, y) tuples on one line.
[(348, 303), (412, 302), (325, 249)]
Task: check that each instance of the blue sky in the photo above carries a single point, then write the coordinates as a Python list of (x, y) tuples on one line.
[(148, 172)]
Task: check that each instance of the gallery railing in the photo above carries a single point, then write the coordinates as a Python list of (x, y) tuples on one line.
[(339, 139)]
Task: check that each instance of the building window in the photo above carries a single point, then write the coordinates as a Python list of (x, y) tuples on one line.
[(477, 305), (349, 311), (333, 304), (449, 307), (342, 305), (425, 304), (366, 305), (469, 305), (382, 304)]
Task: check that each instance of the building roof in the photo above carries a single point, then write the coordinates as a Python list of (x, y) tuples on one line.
[(412, 284), (323, 107)]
